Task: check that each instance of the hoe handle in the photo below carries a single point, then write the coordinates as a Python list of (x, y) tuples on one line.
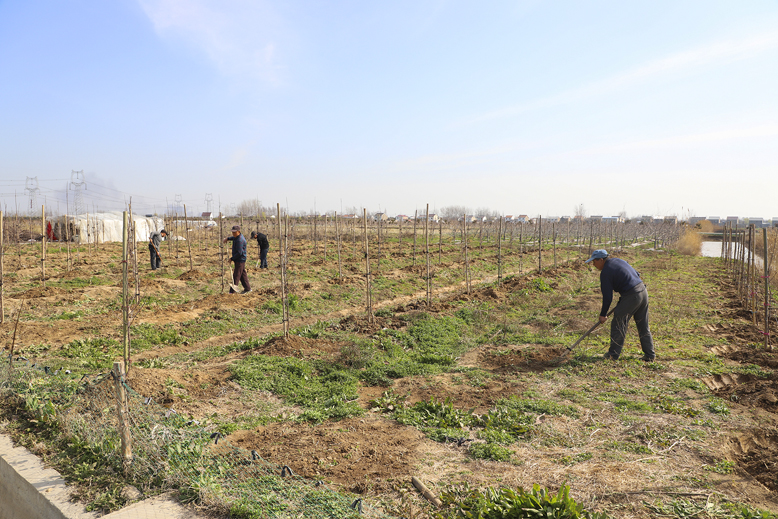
[(590, 330)]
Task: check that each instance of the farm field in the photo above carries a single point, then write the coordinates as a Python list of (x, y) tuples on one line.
[(466, 389)]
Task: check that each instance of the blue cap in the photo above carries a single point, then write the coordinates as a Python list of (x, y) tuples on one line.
[(599, 253)]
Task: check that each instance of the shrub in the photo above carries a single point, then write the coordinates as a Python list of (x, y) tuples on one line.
[(690, 243)]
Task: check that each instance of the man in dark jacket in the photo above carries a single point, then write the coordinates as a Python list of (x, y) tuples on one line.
[(264, 245), (155, 240), (239, 259), (617, 275)]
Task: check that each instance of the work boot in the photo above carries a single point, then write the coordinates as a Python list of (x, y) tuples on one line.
[(646, 358), (610, 356)]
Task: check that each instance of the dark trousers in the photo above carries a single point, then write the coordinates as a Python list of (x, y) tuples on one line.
[(155, 260), (263, 258), (239, 274), (632, 304)]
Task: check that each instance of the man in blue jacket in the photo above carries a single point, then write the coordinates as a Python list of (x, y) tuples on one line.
[(239, 258), (619, 276)]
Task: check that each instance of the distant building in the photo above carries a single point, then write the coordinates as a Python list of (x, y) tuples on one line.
[(756, 222)]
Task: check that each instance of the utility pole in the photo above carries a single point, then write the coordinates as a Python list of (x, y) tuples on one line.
[(32, 190), (77, 182)]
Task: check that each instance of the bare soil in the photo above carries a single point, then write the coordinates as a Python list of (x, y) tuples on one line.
[(372, 455)]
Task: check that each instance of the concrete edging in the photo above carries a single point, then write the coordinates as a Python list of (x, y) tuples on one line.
[(29, 490)]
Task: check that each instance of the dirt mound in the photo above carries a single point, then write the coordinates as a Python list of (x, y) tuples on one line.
[(42, 292), (362, 454), (416, 269), (477, 397), (194, 275), (525, 357), (756, 452), (360, 324), (746, 390), (296, 346)]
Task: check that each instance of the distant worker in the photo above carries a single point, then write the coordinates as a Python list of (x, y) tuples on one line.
[(264, 245), (618, 275), (155, 240), (239, 259)]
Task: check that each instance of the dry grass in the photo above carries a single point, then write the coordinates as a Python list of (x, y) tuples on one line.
[(705, 226), (690, 243)]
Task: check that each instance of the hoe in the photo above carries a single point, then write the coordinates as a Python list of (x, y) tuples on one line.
[(582, 337)]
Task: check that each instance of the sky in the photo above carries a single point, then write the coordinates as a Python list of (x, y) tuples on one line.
[(646, 107)]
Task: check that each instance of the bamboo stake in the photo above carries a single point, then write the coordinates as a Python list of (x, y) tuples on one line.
[(499, 252), (337, 233), (2, 278), (540, 243), (43, 246), (368, 291), (467, 260), (427, 255), (221, 245), (400, 237), (67, 229), (415, 218), (125, 306), (175, 226), (766, 293), (553, 233), (440, 242), (188, 242), (287, 253)]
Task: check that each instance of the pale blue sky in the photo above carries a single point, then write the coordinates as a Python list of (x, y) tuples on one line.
[(534, 107)]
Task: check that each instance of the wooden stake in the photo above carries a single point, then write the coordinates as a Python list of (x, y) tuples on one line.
[(16, 326)]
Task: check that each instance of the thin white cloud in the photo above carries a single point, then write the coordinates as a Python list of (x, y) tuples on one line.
[(719, 52), (690, 140), (240, 37)]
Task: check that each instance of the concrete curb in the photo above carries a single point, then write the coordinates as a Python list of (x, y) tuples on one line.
[(29, 490)]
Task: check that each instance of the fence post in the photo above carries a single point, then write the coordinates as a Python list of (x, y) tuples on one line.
[(121, 406)]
